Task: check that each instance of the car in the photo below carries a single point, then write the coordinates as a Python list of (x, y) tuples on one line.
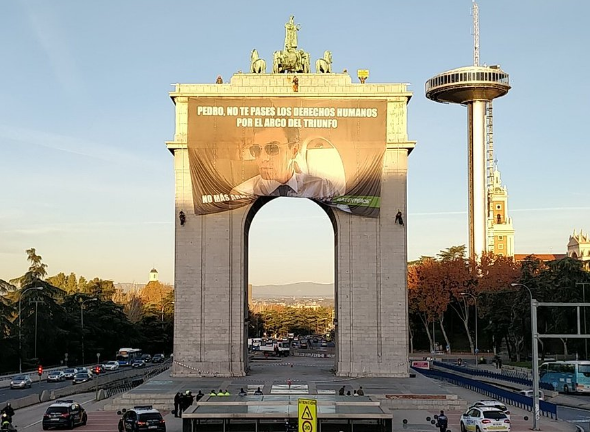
[(138, 363), (81, 377), (158, 358), (69, 373), (491, 403), (21, 381), (141, 418), (484, 419), (56, 376), (97, 369), (111, 365), (146, 358), (64, 413), (530, 393)]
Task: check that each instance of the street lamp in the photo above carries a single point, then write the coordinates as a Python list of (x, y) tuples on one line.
[(20, 356), (535, 363), (82, 322)]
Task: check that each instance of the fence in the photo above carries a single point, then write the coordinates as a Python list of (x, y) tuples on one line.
[(511, 376), (520, 401)]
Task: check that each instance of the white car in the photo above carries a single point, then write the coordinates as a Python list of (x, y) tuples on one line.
[(491, 403), (56, 376), (21, 381), (484, 419), (530, 393), (111, 365)]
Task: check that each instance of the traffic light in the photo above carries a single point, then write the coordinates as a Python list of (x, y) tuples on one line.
[(40, 370)]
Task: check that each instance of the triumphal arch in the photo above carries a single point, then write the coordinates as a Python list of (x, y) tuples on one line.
[(303, 134)]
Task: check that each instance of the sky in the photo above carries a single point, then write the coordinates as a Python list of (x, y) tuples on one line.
[(86, 179)]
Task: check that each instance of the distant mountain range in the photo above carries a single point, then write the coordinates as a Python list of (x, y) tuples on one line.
[(299, 289)]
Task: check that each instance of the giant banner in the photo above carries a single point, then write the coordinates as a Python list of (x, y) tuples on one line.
[(327, 150)]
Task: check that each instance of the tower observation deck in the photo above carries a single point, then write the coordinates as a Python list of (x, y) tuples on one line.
[(473, 86)]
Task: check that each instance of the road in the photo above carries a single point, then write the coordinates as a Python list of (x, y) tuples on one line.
[(30, 419)]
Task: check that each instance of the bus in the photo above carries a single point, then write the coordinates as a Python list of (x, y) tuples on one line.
[(125, 356), (566, 376)]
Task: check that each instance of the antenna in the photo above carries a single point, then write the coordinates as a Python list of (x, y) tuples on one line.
[(475, 34)]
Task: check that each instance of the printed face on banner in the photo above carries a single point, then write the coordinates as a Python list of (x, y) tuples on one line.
[(329, 151)]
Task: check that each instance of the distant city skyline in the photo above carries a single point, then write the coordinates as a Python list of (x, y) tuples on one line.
[(85, 114)]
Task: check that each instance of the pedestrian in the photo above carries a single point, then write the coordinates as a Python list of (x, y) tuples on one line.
[(289, 383), (242, 392), (355, 393), (200, 395), (348, 393), (442, 422), (226, 393), (220, 393), (258, 391), (212, 393), (341, 391), (177, 398), (361, 392)]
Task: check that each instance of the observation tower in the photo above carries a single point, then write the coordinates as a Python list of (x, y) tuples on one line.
[(474, 86)]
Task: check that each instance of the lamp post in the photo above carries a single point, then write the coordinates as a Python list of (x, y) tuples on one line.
[(20, 356), (82, 323), (535, 348), (584, 301)]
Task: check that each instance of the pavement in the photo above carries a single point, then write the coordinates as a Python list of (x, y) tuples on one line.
[(315, 376)]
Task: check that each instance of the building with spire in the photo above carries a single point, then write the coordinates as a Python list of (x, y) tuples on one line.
[(153, 275), (500, 229), (578, 248)]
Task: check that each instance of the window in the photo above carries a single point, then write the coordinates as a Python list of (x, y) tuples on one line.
[(500, 237), (498, 206), (500, 246)]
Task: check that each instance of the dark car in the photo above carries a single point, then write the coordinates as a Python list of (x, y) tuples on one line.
[(81, 377), (138, 363), (64, 413), (97, 369), (141, 418), (158, 358), (146, 358)]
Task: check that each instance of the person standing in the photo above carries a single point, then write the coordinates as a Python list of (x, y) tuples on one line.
[(200, 395), (442, 422), (177, 399), (361, 392), (341, 391)]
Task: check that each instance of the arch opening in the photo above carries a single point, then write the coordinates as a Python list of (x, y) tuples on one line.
[(290, 274)]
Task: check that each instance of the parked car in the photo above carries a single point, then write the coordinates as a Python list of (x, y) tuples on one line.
[(111, 365), (158, 358), (484, 419), (56, 376), (64, 413), (492, 404), (81, 377), (21, 381), (138, 363), (141, 418)]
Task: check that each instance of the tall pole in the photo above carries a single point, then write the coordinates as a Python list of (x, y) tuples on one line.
[(20, 346), (584, 301), (535, 363)]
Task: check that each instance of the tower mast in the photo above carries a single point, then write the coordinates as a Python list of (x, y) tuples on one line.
[(475, 34)]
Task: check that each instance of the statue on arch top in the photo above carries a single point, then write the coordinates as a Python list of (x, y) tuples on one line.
[(291, 59), (291, 30)]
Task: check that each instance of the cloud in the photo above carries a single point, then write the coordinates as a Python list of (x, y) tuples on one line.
[(72, 145), (49, 35)]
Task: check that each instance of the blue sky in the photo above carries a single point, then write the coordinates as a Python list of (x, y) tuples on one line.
[(86, 179)]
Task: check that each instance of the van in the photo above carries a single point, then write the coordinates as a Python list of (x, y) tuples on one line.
[(530, 393)]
